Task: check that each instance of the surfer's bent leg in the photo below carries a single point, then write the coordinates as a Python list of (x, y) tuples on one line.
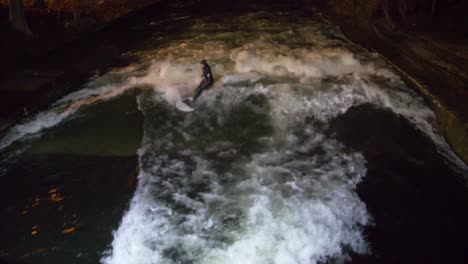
[(202, 86)]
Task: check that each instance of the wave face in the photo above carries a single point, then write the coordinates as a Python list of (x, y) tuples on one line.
[(254, 175)]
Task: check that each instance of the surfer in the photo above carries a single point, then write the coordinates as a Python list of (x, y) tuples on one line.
[(207, 79)]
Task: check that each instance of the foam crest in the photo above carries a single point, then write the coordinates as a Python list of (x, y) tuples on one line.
[(330, 101), (173, 80), (62, 110), (275, 60)]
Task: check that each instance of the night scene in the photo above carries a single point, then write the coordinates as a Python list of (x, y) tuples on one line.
[(233, 131)]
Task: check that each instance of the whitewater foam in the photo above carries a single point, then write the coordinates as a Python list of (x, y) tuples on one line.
[(292, 201), (251, 176), (254, 214)]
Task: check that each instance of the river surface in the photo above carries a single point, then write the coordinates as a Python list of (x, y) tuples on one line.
[(286, 159)]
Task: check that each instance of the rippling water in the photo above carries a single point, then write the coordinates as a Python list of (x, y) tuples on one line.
[(256, 174)]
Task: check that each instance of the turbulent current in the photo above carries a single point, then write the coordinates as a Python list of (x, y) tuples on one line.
[(255, 174)]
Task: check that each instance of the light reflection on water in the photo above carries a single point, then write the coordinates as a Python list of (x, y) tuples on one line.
[(57, 201), (61, 207)]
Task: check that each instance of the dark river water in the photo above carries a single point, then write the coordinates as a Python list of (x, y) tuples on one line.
[(307, 149)]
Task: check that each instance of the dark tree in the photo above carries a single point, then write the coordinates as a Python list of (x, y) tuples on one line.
[(17, 19), (39, 4)]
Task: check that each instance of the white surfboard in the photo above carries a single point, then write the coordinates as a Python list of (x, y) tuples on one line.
[(183, 107)]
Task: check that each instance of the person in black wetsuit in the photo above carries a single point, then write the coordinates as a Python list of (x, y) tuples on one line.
[(207, 79)]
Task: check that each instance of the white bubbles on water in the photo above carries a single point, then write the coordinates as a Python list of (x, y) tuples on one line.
[(298, 211), (281, 207), (204, 194), (292, 198)]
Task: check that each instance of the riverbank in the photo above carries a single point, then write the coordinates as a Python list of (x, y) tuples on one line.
[(428, 50), (64, 51)]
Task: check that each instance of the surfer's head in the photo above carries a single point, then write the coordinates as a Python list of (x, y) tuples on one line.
[(203, 62)]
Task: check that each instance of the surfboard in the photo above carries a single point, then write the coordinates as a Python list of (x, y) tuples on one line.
[(182, 106)]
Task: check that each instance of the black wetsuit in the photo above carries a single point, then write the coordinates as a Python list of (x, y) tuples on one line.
[(206, 82)]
